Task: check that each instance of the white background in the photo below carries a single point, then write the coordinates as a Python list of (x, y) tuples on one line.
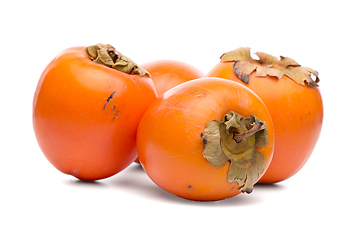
[(321, 201)]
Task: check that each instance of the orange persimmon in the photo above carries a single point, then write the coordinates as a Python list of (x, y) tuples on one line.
[(86, 110), (293, 99), (167, 74), (207, 139)]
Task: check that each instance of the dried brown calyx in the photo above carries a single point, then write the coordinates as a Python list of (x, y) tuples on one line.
[(107, 55), (268, 65), (234, 139)]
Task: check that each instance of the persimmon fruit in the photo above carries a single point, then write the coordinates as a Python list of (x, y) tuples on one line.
[(291, 95), (205, 140), (86, 110), (168, 73)]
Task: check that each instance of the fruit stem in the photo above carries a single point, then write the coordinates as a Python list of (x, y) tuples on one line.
[(255, 127)]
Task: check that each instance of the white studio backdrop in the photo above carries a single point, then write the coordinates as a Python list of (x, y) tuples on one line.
[(320, 201)]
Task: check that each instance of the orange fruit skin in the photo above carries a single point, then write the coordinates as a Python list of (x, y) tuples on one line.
[(169, 140), (297, 114), (167, 73), (85, 115)]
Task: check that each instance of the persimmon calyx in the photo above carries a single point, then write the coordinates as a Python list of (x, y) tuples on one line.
[(268, 65), (235, 139), (107, 55)]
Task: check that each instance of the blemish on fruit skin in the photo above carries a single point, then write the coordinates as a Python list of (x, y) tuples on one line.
[(201, 95), (198, 94), (136, 83), (117, 113), (306, 115), (108, 99), (115, 116), (189, 186)]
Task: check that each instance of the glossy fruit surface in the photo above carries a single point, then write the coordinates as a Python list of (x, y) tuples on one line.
[(296, 107), (167, 73), (172, 135), (85, 115)]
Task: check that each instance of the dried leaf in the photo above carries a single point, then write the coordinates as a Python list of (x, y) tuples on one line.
[(315, 74), (121, 62), (287, 62), (140, 71), (241, 54), (266, 59), (107, 55), (211, 143), (237, 172), (231, 120), (104, 57), (92, 51), (243, 70), (235, 139), (301, 75), (262, 136), (246, 173), (268, 65), (267, 71)]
